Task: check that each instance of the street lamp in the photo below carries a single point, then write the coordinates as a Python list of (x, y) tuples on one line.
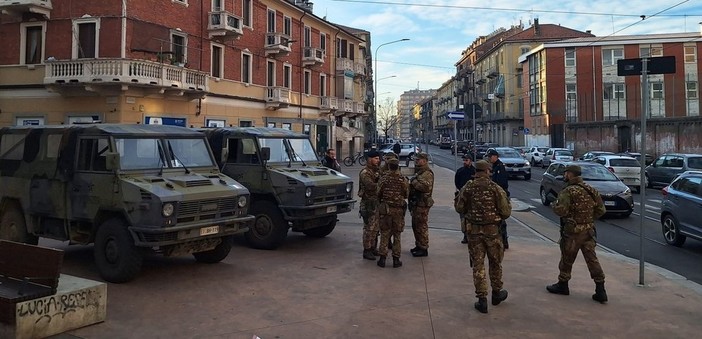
[(375, 90)]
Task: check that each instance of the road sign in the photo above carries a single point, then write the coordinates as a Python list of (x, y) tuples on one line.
[(658, 65), (455, 115), (526, 131)]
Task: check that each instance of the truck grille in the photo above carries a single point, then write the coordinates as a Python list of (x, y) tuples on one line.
[(322, 194), (194, 183), (189, 211)]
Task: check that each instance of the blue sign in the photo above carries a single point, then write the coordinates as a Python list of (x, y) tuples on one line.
[(526, 131), (455, 115), (165, 121)]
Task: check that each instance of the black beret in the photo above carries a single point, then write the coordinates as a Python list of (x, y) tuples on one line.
[(372, 154)]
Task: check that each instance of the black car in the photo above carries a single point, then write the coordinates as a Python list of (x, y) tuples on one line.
[(462, 147), (482, 148), (680, 207), (615, 194)]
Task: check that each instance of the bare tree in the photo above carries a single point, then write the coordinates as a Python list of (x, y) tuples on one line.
[(386, 116)]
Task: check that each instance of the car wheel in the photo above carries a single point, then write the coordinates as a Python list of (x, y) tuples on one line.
[(322, 231), (117, 258), (671, 232), (649, 184), (527, 177), (216, 254), (269, 229), (544, 197), (533, 162)]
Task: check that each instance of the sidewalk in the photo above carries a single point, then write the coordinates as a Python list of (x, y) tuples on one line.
[(322, 288)]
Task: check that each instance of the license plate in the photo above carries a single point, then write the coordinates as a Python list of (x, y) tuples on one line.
[(209, 230), (610, 203), (331, 209)]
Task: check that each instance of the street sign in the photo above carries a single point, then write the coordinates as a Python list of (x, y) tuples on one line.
[(455, 115), (526, 131)]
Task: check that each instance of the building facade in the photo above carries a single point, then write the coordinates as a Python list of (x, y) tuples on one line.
[(405, 109)]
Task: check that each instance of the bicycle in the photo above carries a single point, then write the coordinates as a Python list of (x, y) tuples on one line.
[(350, 161)]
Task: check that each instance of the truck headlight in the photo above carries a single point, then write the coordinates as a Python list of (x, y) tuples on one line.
[(167, 209), (242, 201), (349, 187), (308, 192)]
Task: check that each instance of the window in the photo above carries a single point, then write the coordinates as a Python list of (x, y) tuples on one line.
[(654, 51), (12, 147), (524, 49), (287, 26), (32, 43), (308, 36), (341, 48), (657, 90), (217, 5), (286, 125), (246, 68), (85, 38), (570, 57), (308, 82), (287, 76), (690, 53), (323, 42), (322, 85), (246, 12), (691, 90), (613, 91), (245, 123), (610, 56), (182, 2), (271, 21), (92, 154), (270, 74), (179, 43), (217, 61)]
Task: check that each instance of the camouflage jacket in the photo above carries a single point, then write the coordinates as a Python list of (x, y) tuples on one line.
[(578, 205), (393, 189), (483, 202), (422, 186), (368, 183)]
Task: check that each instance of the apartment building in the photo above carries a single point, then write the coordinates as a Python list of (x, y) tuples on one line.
[(195, 63), (575, 98), (446, 101), (405, 109)]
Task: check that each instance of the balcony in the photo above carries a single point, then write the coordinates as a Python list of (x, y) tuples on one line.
[(277, 43), (19, 7), (492, 73), (312, 57), (359, 107), (277, 97), (346, 108), (344, 65), (328, 104), (359, 69), (76, 77), (225, 25)]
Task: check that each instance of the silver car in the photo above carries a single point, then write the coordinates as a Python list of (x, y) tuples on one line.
[(556, 154), (680, 208)]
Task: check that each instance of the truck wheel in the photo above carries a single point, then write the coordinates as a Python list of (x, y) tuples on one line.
[(117, 258), (216, 254), (13, 226), (322, 231), (269, 229)]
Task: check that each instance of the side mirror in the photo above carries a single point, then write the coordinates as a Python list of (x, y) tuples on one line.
[(112, 161), (265, 153)]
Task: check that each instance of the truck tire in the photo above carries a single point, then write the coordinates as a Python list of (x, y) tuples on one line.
[(117, 258), (269, 229), (13, 226), (322, 231), (216, 254)]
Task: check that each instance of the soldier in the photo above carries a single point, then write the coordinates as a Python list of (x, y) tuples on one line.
[(484, 205), (500, 176), (367, 191), (462, 176), (386, 157), (420, 201), (392, 193), (578, 205)]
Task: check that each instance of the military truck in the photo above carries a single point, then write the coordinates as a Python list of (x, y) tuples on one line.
[(289, 187), (128, 189)]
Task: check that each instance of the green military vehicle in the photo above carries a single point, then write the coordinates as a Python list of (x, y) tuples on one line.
[(288, 185), (128, 189)]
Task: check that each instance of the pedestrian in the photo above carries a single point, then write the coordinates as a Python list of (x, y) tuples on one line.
[(485, 205), (578, 205), (397, 148), (499, 176), (420, 201), (330, 161), (463, 175), (393, 190), (368, 192)]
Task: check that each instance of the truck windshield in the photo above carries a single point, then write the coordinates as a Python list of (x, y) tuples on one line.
[(189, 153), (302, 149), (140, 153)]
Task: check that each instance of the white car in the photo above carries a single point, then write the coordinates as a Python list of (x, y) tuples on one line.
[(535, 154), (627, 169), (556, 154), (406, 150)]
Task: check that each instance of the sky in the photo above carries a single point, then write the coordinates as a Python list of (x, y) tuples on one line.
[(440, 29)]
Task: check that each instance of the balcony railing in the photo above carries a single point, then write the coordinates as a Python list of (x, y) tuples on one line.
[(347, 106), (359, 69), (277, 97), (313, 57), (224, 24), (125, 71), (17, 7), (343, 65), (359, 107), (328, 104), (277, 43)]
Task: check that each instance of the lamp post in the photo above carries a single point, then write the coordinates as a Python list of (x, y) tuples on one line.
[(375, 90)]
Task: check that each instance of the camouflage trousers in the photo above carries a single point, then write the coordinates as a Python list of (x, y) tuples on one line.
[(486, 243), (391, 226), (583, 241), (420, 227), (370, 231)]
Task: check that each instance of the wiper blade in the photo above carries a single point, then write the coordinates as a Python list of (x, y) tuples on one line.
[(170, 150)]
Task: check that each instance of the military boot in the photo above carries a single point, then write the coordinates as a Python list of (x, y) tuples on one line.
[(420, 253), (600, 293), (368, 254), (481, 305), (396, 262), (415, 249), (560, 287), (499, 296), (381, 261), (465, 239)]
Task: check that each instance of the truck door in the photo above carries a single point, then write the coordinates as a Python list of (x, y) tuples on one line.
[(92, 184), (243, 164)]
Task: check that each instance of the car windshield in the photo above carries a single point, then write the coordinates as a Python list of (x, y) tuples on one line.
[(563, 153), (624, 163), (509, 154), (694, 162), (302, 148), (137, 153), (542, 149), (597, 173)]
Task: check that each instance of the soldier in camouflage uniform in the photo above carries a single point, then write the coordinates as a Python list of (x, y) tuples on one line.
[(368, 192), (420, 201), (392, 193), (484, 205), (386, 157), (578, 205)]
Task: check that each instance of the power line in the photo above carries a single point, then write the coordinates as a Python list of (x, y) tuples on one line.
[(412, 64)]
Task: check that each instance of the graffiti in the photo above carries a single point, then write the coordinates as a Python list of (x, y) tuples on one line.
[(60, 305)]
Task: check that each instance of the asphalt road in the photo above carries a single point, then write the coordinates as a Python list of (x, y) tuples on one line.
[(620, 235)]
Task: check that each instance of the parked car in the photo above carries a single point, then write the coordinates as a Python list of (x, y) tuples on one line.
[(615, 194), (407, 150), (535, 154), (560, 154), (515, 164), (462, 147), (522, 150), (481, 149), (627, 169), (680, 208), (588, 156), (445, 143), (637, 156), (666, 167)]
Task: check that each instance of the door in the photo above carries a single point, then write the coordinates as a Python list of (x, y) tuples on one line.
[(244, 165), (689, 203), (624, 138), (654, 171), (322, 140), (673, 166), (92, 184)]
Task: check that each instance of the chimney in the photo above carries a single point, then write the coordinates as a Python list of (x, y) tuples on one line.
[(536, 26)]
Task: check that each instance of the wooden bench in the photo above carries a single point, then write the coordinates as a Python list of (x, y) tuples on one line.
[(26, 272)]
